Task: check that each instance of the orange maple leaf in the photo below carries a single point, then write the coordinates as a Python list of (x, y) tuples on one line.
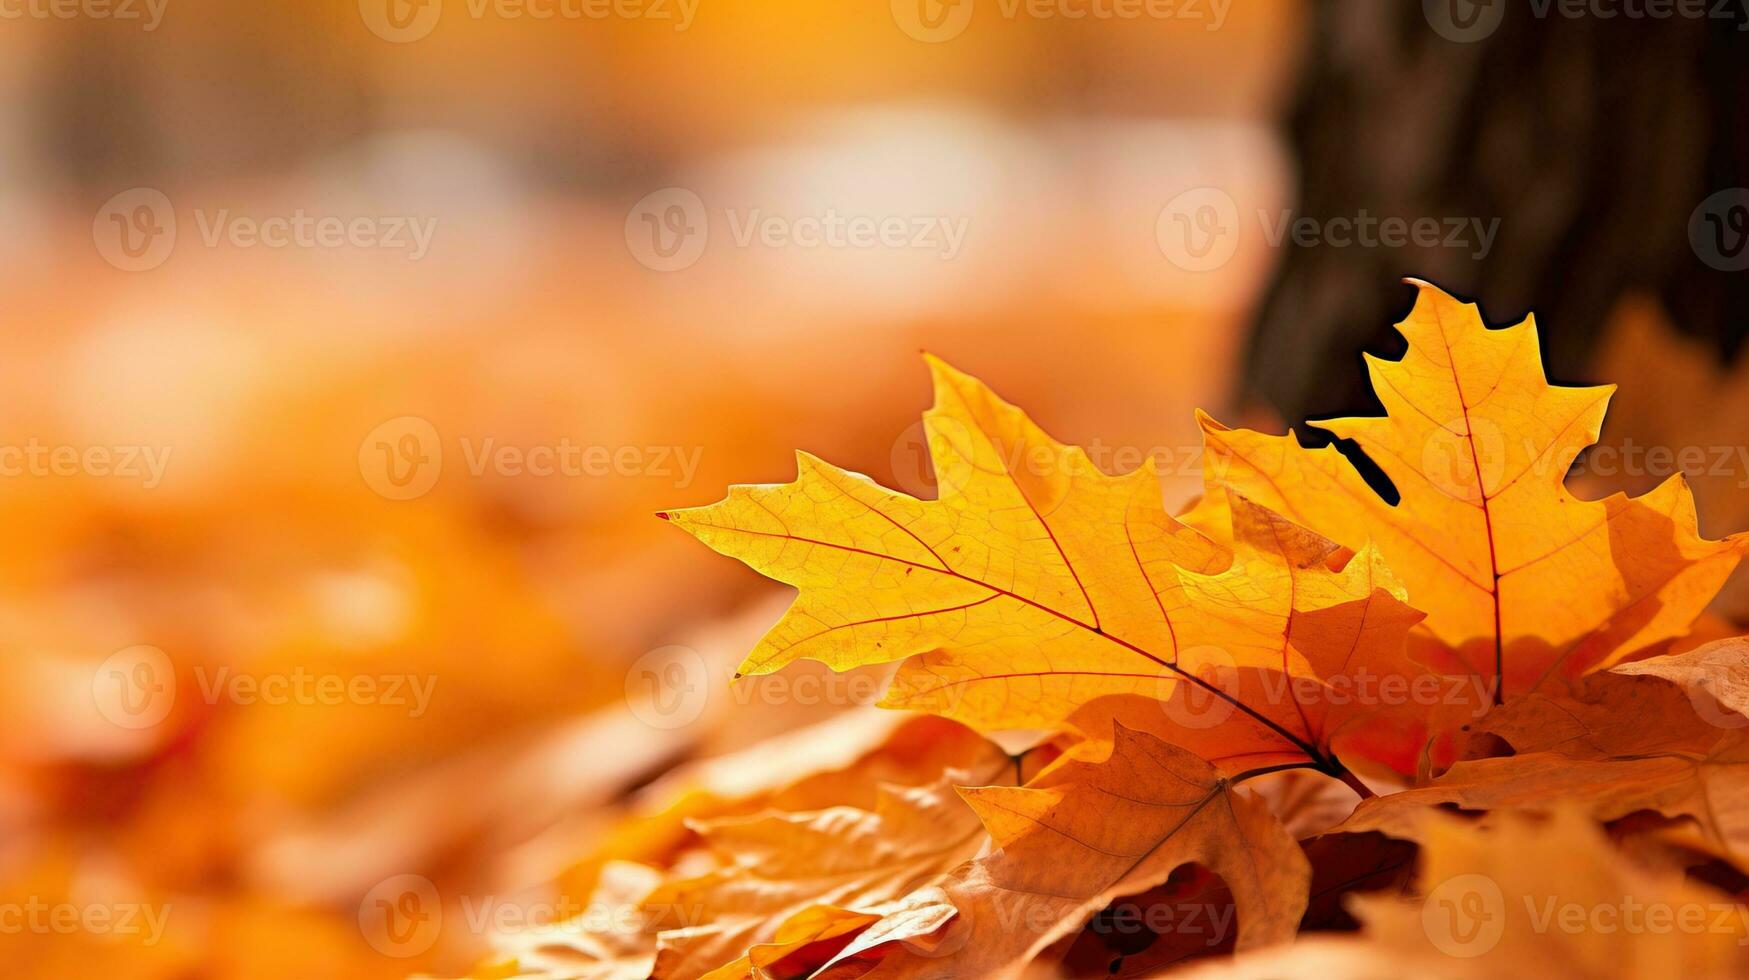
[(1521, 580)]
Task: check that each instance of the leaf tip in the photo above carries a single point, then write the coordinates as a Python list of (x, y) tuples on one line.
[(1208, 423)]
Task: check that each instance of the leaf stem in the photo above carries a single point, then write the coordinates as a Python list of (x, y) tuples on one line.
[(1328, 768), (1361, 789), (1266, 770)]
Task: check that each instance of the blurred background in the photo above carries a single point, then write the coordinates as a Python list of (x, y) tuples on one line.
[(351, 345)]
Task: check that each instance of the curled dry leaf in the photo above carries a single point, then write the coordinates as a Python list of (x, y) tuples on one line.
[(607, 941), (1091, 829), (1524, 899), (842, 762), (780, 866), (1651, 735)]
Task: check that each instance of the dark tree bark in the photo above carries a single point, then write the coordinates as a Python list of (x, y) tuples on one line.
[(1592, 140)]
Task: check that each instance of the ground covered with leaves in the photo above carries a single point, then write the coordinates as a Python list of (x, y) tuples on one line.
[(1311, 727)]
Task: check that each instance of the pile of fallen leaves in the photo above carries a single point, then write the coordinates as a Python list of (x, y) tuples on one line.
[(1463, 723)]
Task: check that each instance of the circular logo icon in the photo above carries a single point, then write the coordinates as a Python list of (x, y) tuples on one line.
[(1199, 229), (135, 687), (1208, 696), (932, 21), (400, 21), (401, 916), (1464, 21), (135, 231), (1465, 458), (668, 687), (1465, 916), (953, 931), (668, 229), (1718, 230), (914, 452), (1720, 681), (402, 458)]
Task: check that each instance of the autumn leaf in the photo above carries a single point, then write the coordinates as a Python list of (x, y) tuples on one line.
[(1644, 736), (601, 943), (1062, 579), (1273, 627), (1037, 584), (1310, 637), (1524, 898), (840, 762), (1521, 580), (1089, 830), (783, 865)]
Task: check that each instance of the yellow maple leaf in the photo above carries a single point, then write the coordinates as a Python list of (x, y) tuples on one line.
[(1037, 584)]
